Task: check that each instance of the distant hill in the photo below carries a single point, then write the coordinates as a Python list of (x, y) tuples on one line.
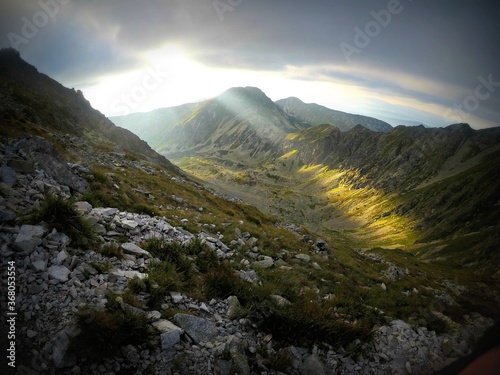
[(240, 119), (315, 114)]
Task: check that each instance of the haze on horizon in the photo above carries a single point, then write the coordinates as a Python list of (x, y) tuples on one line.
[(404, 62)]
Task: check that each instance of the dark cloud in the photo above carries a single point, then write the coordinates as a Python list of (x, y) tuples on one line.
[(452, 42)]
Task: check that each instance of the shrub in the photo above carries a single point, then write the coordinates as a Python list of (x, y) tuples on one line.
[(111, 250), (171, 252), (62, 215), (312, 320), (102, 267), (223, 282), (161, 279), (104, 332)]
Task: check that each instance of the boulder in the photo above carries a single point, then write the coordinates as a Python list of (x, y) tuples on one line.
[(199, 329), (267, 262), (322, 245), (60, 273), (312, 366), (28, 237), (133, 249), (8, 175), (83, 207)]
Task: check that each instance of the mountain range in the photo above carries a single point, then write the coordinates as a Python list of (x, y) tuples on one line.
[(238, 117), (301, 234), (318, 167)]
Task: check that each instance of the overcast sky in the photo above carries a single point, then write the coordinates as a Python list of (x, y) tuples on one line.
[(406, 62)]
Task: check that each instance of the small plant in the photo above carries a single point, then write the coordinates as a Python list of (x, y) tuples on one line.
[(223, 282), (143, 209), (64, 217), (104, 332), (102, 267), (161, 279), (281, 361), (136, 285), (207, 260), (171, 252), (111, 250)]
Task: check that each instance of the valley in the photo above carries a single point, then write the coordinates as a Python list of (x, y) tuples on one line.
[(280, 234)]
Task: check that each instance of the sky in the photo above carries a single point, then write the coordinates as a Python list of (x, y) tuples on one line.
[(431, 62)]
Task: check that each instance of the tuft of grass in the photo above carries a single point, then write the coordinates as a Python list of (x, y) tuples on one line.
[(111, 250), (104, 332), (102, 267), (161, 279), (172, 252), (62, 215), (222, 282), (313, 320)]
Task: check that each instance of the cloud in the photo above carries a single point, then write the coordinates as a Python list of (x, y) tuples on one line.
[(431, 52)]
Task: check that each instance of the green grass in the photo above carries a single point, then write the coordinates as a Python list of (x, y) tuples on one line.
[(104, 332), (63, 216)]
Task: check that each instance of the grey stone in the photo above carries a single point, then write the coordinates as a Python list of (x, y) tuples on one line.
[(129, 224), (28, 237), (267, 262), (83, 207), (131, 248), (322, 245), (199, 329), (312, 366), (39, 265), (60, 273), (164, 325), (60, 353), (8, 175), (303, 257), (169, 339), (7, 215), (176, 297)]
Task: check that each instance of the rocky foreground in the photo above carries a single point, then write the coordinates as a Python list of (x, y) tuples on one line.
[(55, 280)]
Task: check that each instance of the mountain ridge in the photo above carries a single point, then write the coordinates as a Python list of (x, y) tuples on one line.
[(315, 114), (32, 99), (248, 108)]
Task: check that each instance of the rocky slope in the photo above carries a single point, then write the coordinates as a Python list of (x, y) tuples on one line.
[(55, 280), (33, 103)]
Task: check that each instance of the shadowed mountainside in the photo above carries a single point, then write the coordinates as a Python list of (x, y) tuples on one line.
[(33, 102)]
